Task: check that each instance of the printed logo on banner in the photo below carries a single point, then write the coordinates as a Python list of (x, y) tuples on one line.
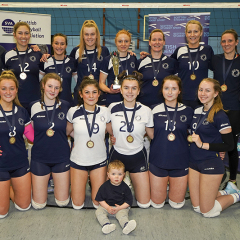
[(7, 26)]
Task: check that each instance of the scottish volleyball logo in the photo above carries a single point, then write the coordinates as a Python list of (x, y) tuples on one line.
[(7, 26)]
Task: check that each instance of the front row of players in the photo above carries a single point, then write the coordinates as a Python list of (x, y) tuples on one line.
[(166, 124)]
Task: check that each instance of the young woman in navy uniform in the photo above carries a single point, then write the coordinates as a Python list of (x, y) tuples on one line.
[(128, 62), (130, 121), (193, 62), (88, 123), (25, 64), (154, 68), (169, 150), (64, 66), (90, 55), (14, 166), (50, 152), (211, 134), (226, 69)]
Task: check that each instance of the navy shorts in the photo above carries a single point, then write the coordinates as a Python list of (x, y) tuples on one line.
[(42, 169), (160, 172), (7, 175), (133, 163), (211, 166), (88, 168)]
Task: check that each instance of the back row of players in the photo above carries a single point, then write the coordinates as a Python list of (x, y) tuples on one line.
[(191, 63)]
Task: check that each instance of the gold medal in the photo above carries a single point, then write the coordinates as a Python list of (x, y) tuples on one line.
[(12, 140), (91, 76), (50, 132), (90, 144), (189, 138), (130, 138), (193, 77), (155, 82), (171, 137), (224, 88)]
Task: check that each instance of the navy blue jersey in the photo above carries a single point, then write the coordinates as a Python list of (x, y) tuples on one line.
[(185, 69), (53, 149), (2, 50), (150, 94), (170, 154), (83, 67), (128, 63), (230, 98), (29, 89), (208, 132), (112, 194), (14, 156), (70, 67)]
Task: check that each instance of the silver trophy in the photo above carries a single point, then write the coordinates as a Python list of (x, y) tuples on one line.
[(115, 62)]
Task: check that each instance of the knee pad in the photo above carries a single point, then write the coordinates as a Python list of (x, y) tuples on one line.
[(215, 211), (62, 203), (176, 205), (155, 205), (3, 216), (22, 209), (77, 207), (38, 206), (197, 209), (144, 205), (94, 205)]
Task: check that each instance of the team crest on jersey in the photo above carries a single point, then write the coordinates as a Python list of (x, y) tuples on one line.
[(165, 66), (205, 122), (235, 72), (21, 121), (68, 69), (102, 118), (132, 64), (138, 118), (183, 118), (61, 115), (203, 57), (32, 58), (142, 168), (100, 58)]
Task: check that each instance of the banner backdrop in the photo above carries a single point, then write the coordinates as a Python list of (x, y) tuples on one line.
[(173, 27), (40, 25)]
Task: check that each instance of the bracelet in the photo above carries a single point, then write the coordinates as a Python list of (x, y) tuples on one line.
[(202, 145)]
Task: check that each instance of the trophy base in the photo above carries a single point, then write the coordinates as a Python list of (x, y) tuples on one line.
[(116, 86)]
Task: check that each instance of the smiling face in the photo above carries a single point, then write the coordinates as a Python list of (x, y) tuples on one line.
[(51, 89), (90, 37), (22, 36), (116, 176), (122, 42), (157, 42), (59, 46), (170, 92), (228, 43), (193, 35), (8, 90), (130, 90)]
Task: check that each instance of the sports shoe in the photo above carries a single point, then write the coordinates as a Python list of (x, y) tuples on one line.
[(130, 226), (226, 183), (231, 188), (106, 229)]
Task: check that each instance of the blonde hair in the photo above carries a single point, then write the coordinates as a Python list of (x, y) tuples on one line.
[(123, 31), (194, 22), (88, 24), (19, 24), (9, 75), (116, 164), (156, 30), (217, 103)]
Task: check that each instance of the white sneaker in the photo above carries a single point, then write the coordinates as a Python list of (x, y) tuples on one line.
[(131, 225), (106, 229)]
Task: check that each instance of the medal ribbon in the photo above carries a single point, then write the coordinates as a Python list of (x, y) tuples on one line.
[(202, 118), (22, 62), (129, 125), (190, 58), (62, 68), (11, 127), (155, 71), (171, 122), (225, 74), (90, 130), (50, 122), (90, 64)]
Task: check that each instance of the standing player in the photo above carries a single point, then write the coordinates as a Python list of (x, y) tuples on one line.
[(64, 66), (226, 69), (14, 166), (130, 121), (128, 63), (211, 134), (193, 62), (169, 151), (89, 123), (50, 152), (25, 64), (89, 54), (154, 68)]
